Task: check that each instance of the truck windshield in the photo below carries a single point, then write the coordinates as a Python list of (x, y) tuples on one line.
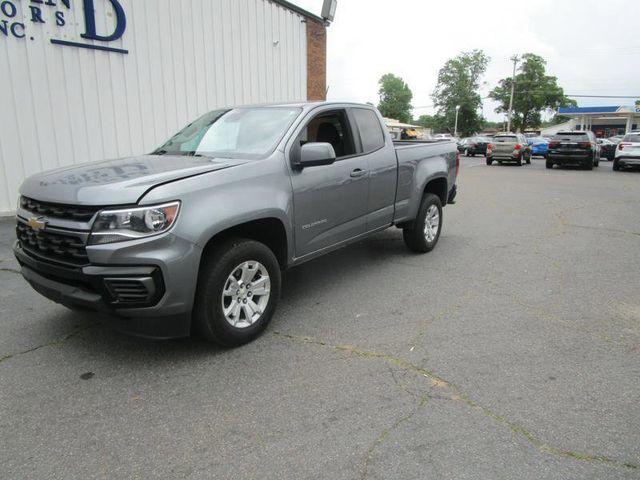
[(249, 133)]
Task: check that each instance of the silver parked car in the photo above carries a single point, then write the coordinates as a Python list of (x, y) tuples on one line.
[(509, 147)]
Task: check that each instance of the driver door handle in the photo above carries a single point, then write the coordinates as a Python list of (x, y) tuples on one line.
[(358, 172)]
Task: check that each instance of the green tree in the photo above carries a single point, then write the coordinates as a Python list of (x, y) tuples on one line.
[(535, 91), (436, 123), (458, 85), (395, 98)]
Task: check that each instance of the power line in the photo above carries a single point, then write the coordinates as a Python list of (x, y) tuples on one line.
[(603, 96)]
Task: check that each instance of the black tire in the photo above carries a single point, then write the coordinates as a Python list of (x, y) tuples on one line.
[(472, 154), (489, 161), (209, 320), (616, 167), (549, 164), (414, 236)]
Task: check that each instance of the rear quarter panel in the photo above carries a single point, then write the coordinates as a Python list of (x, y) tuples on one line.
[(418, 165)]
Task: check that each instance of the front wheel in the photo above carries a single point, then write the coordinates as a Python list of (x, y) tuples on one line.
[(237, 293), (423, 234)]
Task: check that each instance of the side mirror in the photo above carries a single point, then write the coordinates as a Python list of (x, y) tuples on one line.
[(315, 154)]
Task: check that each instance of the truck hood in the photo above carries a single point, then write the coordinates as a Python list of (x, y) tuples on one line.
[(117, 182)]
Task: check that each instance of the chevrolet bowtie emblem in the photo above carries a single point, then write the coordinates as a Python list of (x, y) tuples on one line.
[(37, 223)]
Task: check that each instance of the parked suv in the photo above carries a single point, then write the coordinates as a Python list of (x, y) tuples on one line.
[(578, 148), (628, 151), (473, 146), (509, 147), (607, 149)]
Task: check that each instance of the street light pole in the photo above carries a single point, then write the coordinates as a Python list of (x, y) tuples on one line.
[(514, 59), (455, 129)]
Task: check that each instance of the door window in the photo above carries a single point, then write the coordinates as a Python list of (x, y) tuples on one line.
[(330, 127)]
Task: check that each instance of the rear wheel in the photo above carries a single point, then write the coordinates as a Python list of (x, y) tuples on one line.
[(424, 233), (238, 290)]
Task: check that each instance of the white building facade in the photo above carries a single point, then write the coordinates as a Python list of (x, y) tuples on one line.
[(86, 80)]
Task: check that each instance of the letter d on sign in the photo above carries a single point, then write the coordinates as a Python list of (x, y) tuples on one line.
[(90, 22)]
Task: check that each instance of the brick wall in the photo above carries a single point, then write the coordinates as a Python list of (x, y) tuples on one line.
[(316, 61)]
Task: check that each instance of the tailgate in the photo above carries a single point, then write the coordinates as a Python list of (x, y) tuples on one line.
[(505, 145), (504, 148)]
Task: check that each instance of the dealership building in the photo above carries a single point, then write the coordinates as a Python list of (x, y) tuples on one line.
[(86, 80), (604, 121)]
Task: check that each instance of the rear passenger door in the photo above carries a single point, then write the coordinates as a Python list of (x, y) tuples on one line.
[(375, 145)]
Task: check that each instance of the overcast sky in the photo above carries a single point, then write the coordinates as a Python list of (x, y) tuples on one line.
[(593, 47)]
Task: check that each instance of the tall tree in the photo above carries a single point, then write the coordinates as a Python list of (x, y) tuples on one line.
[(458, 85), (535, 91), (395, 98), (434, 122)]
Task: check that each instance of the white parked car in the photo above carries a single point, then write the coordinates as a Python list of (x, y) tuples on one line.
[(628, 151)]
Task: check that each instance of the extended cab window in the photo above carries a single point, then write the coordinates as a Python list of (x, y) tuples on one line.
[(370, 129), (330, 127)]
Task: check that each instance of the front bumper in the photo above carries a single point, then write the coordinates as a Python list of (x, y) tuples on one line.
[(163, 268)]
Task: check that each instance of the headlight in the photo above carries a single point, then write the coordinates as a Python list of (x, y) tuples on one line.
[(131, 223)]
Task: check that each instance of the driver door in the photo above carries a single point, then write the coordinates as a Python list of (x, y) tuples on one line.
[(330, 201)]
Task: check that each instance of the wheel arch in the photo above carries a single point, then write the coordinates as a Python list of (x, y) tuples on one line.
[(270, 231)]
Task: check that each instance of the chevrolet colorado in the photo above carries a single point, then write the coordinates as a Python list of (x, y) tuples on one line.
[(193, 237)]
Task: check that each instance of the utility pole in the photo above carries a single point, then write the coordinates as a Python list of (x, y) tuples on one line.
[(455, 129), (514, 59)]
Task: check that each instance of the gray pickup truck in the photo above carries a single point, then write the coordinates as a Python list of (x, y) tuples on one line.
[(193, 237)]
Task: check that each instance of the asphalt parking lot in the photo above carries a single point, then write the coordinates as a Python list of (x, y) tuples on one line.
[(510, 351)]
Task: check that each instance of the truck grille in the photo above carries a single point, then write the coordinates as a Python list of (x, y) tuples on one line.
[(55, 210), (57, 247)]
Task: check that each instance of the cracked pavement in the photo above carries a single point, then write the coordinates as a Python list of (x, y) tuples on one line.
[(512, 350)]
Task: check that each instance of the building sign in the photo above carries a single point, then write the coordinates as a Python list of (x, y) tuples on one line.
[(21, 19)]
